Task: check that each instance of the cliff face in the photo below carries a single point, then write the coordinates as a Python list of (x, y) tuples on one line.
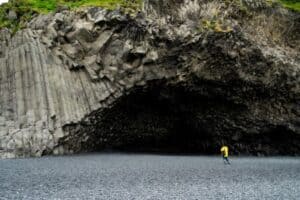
[(180, 76)]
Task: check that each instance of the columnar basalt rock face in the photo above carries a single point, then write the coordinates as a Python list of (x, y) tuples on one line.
[(200, 72)]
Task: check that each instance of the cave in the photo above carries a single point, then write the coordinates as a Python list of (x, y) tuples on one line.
[(158, 118), (180, 119)]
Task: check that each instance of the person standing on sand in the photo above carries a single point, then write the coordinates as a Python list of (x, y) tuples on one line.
[(225, 153)]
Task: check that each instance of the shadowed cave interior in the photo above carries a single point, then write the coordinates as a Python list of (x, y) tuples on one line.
[(162, 118)]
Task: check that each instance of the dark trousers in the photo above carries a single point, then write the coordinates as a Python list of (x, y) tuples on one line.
[(226, 161)]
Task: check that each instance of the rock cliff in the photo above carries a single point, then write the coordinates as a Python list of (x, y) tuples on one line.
[(181, 75)]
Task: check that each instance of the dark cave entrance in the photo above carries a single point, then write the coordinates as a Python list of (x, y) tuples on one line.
[(159, 118), (181, 119)]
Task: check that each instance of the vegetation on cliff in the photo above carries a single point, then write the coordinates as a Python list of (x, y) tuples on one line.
[(291, 4), (26, 9)]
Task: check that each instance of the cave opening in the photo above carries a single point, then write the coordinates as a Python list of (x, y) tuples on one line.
[(180, 119), (160, 118)]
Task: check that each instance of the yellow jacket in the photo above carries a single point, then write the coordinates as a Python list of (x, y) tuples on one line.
[(224, 151)]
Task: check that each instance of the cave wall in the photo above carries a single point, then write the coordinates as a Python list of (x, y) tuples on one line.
[(63, 75)]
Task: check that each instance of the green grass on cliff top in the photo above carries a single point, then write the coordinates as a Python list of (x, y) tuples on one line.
[(26, 9), (291, 4), (44, 6), (50, 5)]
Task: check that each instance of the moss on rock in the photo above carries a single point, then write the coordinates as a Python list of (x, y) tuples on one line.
[(27, 9), (291, 4)]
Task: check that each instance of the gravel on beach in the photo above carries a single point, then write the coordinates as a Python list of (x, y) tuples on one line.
[(143, 176)]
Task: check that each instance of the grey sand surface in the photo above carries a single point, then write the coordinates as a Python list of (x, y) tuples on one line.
[(142, 176)]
